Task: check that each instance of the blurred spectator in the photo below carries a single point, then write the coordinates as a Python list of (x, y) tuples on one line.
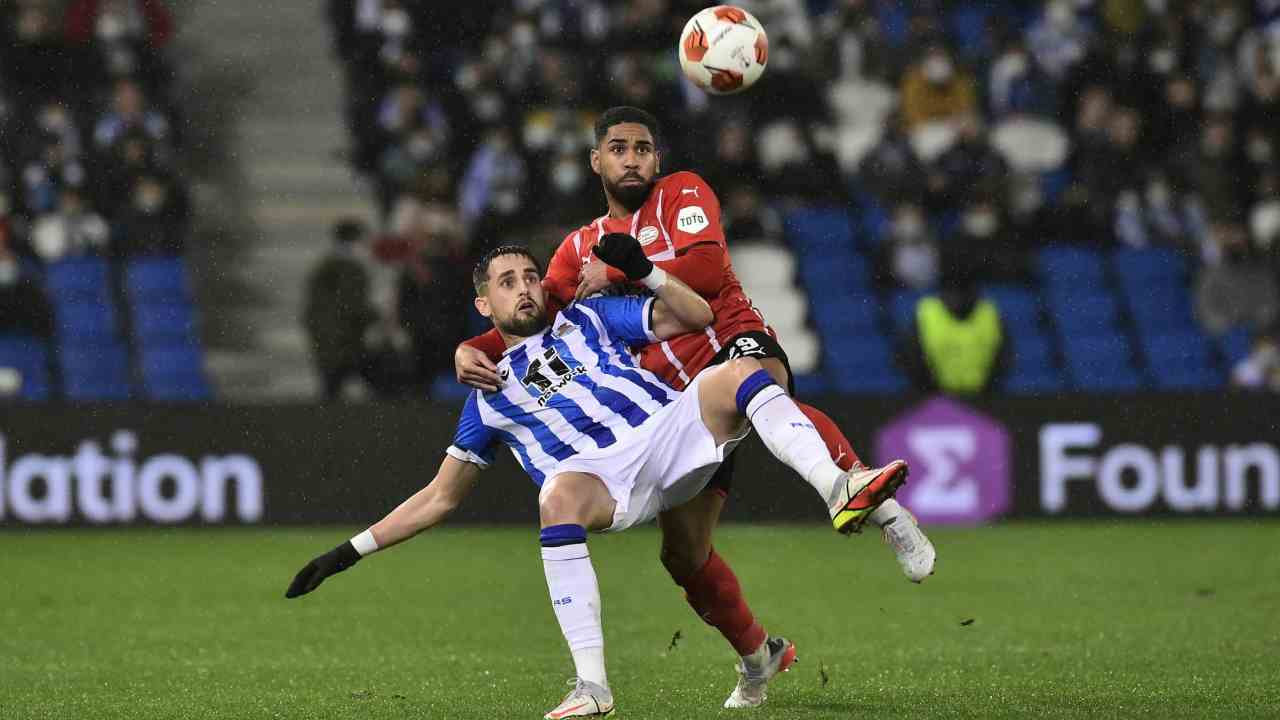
[(1017, 86), (747, 218), (73, 229), (129, 111), (24, 307), (969, 165), (1058, 40), (909, 253), (1260, 370), (491, 197), (124, 37), (33, 56), (1236, 290), (155, 221), (892, 171), (935, 90), (957, 341), (338, 311), (984, 239)]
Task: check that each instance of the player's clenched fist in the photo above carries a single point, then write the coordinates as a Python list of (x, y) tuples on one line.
[(334, 561), (624, 252)]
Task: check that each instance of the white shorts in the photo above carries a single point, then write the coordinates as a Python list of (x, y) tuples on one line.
[(663, 464)]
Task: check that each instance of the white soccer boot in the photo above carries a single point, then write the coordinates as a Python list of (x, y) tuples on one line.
[(586, 699), (915, 552), (750, 691), (862, 491)]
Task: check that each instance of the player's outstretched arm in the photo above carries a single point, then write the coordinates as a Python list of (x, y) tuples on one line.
[(679, 309), (424, 509)]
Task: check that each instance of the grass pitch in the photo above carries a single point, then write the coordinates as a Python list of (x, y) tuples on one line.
[(1173, 620)]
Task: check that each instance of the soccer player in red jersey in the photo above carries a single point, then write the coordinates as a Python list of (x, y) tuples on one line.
[(676, 220)]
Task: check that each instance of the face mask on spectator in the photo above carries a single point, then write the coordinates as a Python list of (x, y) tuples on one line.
[(908, 228), (1264, 223), (421, 146), (1157, 7), (567, 176), (8, 272), (916, 264), (1015, 63), (488, 106), (395, 23), (110, 26), (1259, 150), (1162, 60), (49, 237), (1061, 15), (981, 222), (523, 36), (937, 68), (1158, 194)]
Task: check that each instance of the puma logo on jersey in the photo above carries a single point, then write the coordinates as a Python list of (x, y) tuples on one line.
[(689, 191)]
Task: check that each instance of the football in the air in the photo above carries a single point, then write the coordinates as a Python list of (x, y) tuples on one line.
[(723, 49)]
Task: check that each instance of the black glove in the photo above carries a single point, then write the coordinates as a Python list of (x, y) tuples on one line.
[(334, 561), (622, 251)]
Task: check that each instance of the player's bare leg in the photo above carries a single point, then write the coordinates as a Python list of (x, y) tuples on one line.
[(568, 505), (741, 389), (898, 527)]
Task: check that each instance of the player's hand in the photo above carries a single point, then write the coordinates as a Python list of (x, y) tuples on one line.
[(474, 368), (593, 278), (624, 252), (334, 561)]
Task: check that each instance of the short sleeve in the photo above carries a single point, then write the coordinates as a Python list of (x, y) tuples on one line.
[(474, 441), (626, 317), (692, 212)]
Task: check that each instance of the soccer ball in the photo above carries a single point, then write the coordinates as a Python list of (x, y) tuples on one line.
[(723, 50)]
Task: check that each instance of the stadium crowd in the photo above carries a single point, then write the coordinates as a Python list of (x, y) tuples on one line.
[(89, 135), (962, 133)]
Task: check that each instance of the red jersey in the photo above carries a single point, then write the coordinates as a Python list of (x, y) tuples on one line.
[(679, 228)]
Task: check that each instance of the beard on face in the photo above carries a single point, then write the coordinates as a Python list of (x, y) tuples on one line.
[(630, 196), (520, 325)]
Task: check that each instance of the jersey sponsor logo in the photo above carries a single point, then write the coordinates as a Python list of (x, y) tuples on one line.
[(647, 234), (549, 374), (692, 219)]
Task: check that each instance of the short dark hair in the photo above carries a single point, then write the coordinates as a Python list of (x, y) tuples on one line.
[(348, 230), (625, 114), (480, 275)]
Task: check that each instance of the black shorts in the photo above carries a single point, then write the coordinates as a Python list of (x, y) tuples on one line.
[(757, 344)]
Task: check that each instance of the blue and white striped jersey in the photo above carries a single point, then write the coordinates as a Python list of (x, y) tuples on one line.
[(574, 387)]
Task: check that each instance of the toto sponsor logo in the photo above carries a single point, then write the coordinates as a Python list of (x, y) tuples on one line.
[(1131, 478), (102, 489), (959, 462)]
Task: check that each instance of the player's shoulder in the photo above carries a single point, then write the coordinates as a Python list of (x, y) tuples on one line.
[(683, 180)]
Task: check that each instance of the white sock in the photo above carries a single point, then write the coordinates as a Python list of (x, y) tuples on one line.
[(575, 597), (793, 439), (887, 511), (757, 659)]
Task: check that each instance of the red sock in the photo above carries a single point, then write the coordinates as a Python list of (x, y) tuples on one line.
[(837, 444), (714, 593)]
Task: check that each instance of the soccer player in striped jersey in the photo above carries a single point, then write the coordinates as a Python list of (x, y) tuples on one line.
[(676, 219), (608, 444)]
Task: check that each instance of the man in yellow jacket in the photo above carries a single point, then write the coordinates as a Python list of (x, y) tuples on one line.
[(957, 345)]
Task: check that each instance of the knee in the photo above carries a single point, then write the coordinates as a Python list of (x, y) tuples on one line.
[(556, 505), (682, 562)]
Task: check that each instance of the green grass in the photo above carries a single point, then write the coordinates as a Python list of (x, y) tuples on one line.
[(1103, 620)]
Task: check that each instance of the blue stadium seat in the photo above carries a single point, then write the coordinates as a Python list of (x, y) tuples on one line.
[(98, 372), (1066, 266), (1101, 363), (1088, 313), (853, 314), (1190, 379), (811, 384), (1035, 382), (1019, 305), (1182, 361), (885, 381), (967, 26), (820, 272), (1235, 346), (164, 324), (1158, 308), (28, 356), (157, 280), (83, 323), (1030, 350), (174, 373), (446, 388), (1148, 266), (819, 228), (902, 310), (82, 279)]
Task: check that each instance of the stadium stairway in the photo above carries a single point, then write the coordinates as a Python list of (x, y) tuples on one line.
[(285, 186)]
